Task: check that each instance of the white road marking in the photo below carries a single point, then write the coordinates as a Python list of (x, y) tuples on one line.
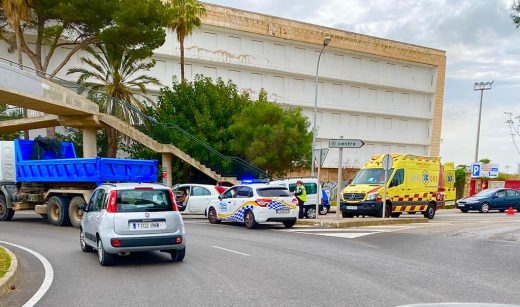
[(231, 251), (47, 280)]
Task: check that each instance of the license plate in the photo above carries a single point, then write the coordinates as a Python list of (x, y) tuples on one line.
[(281, 211), (147, 225), (460, 205), (351, 207)]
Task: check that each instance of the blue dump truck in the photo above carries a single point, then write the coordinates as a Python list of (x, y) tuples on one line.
[(47, 177)]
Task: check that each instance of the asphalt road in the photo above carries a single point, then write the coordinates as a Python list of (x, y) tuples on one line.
[(458, 258)]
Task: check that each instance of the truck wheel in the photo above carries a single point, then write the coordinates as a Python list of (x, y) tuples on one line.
[(58, 211), (6, 214), (75, 214), (430, 212)]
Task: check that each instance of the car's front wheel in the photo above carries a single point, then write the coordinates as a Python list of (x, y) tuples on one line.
[(105, 259), (324, 210), (178, 254), (84, 246), (212, 216), (249, 220), (484, 208), (464, 210)]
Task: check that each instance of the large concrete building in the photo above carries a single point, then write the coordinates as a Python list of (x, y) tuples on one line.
[(387, 93)]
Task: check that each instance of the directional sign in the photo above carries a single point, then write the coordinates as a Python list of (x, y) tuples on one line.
[(345, 143), (321, 153), (388, 162)]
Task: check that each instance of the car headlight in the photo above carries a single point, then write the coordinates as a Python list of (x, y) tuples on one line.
[(372, 196)]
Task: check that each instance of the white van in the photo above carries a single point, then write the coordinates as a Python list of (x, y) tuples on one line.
[(312, 188)]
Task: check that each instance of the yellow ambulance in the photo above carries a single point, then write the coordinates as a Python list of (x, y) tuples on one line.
[(414, 184)]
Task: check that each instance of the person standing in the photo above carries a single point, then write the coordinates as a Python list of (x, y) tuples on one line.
[(301, 195)]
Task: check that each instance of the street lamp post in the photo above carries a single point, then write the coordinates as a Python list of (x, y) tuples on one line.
[(326, 42), (480, 86)]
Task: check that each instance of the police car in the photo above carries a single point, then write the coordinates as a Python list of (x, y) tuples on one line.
[(254, 204)]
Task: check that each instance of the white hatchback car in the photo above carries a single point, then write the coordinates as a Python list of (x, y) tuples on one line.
[(131, 217), (198, 196), (254, 204)]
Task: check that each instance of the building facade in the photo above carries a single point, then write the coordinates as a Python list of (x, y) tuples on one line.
[(387, 93)]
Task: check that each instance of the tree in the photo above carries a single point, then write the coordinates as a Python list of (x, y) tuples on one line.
[(185, 16), (16, 11), (485, 161), (7, 114), (271, 137), (76, 24), (116, 71), (460, 180)]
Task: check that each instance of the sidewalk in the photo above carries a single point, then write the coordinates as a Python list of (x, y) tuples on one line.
[(330, 221)]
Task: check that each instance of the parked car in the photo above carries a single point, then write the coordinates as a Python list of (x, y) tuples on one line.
[(491, 199), (254, 204), (196, 197), (131, 217), (311, 187)]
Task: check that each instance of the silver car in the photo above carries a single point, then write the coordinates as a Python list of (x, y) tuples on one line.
[(130, 217)]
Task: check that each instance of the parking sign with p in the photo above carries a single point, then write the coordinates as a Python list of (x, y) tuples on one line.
[(475, 170)]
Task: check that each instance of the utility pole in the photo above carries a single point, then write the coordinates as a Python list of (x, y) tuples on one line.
[(480, 86)]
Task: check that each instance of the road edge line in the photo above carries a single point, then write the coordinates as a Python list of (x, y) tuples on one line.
[(231, 251), (7, 279), (47, 280)]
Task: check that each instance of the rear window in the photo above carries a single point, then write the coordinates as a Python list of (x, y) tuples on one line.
[(273, 192), (143, 200)]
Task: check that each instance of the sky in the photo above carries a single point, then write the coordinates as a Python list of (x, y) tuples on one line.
[(481, 44)]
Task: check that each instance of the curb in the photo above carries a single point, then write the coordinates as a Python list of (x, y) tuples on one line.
[(359, 222), (7, 280)]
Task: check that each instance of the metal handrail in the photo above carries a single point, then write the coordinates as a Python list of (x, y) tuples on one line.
[(241, 169)]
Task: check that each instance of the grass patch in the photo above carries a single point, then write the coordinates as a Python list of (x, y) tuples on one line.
[(5, 262)]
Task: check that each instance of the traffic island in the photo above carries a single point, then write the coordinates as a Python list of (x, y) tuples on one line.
[(357, 222), (8, 268)]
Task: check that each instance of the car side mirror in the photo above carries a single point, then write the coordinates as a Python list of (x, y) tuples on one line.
[(220, 197), (83, 207)]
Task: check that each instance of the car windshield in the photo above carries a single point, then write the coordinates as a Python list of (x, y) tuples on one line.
[(143, 200), (485, 193), (273, 192), (371, 176)]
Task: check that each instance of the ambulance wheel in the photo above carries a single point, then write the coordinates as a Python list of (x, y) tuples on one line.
[(212, 216), (346, 215), (430, 212), (412, 212), (464, 210), (249, 220), (388, 210), (395, 214)]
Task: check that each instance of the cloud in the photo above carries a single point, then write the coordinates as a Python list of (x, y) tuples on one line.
[(481, 42)]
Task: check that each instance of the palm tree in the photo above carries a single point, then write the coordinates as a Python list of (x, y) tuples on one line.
[(185, 16), (15, 12), (114, 71)]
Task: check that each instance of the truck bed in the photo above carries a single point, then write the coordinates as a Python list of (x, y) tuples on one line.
[(89, 170)]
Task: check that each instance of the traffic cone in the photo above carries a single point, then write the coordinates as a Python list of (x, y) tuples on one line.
[(510, 211)]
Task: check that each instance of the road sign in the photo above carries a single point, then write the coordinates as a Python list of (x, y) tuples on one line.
[(322, 154), (475, 170), (345, 143), (388, 162)]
